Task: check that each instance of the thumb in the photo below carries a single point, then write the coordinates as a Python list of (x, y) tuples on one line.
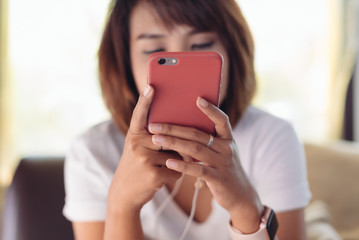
[(139, 115)]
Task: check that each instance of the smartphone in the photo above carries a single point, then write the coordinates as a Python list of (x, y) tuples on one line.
[(178, 79)]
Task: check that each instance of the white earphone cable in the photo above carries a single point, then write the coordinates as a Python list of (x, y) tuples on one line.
[(165, 203), (193, 210), (169, 198)]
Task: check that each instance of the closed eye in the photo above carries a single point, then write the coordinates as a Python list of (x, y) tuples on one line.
[(153, 51), (202, 46)]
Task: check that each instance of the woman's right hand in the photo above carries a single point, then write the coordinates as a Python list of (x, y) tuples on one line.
[(142, 169)]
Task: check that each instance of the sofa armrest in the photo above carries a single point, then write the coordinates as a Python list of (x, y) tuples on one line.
[(333, 174)]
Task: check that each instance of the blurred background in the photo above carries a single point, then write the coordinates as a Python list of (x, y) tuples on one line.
[(306, 62)]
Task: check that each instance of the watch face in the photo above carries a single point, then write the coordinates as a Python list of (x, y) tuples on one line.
[(272, 224)]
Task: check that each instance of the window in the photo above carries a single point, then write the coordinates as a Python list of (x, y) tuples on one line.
[(52, 91), (303, 61), (52, 77)]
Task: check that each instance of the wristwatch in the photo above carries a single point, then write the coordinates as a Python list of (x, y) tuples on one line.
[(267, 228)]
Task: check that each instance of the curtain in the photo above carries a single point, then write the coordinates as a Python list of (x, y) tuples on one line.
[(6, 141), (343, 50), (305, 53)]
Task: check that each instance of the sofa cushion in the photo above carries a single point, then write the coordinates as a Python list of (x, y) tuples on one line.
[(333, 174)]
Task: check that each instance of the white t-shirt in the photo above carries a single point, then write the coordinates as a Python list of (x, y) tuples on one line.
[(270, 154)]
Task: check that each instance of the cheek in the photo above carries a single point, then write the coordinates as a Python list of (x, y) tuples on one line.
[(139, 71), (225, 80)]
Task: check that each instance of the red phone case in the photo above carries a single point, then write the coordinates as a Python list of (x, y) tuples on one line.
[(177, 86)]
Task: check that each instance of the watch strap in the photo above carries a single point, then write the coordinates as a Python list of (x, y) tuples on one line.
[(267, 228), (271, 222)]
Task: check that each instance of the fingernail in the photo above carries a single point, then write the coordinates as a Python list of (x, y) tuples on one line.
[(172, 164), (155, 127), (146, 91), (202, 102), (158, 138)]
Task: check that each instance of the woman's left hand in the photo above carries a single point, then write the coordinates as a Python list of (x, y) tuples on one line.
[(218, 165)]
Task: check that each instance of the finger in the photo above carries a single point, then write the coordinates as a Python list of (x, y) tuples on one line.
[(169, 175), (160, 176), (194, 149), (139, 115), (220, 119), (193, 169), (159, 159), (140, 141), (186, 158), (155, 158), (187, 133)]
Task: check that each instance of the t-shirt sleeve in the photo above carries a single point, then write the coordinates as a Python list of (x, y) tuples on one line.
[(86, 184), (280, 172)]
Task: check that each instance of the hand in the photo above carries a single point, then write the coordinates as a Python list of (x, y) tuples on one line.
[(220, 165), (142, 169)]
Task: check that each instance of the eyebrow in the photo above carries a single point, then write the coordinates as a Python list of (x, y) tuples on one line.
[(150, 36), (158, 36)]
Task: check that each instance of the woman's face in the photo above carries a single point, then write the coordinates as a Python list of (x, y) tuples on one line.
[(148, 34)]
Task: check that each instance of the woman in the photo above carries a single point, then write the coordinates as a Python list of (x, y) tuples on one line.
[(116, 177)]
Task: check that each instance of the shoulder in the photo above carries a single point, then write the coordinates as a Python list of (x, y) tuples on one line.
[(259, 134), (104, 131), (101, 143), (256, 118), (257, 126), (273, 158), (89, 167), (100, 136), (263, 138)]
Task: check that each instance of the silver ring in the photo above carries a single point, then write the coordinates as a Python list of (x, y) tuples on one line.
[(210, 142)]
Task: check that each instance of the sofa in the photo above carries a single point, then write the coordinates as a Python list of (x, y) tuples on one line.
[(333, 175), (34, 201), (35, 198)]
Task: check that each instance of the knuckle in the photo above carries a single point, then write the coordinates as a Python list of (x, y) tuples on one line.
[(227, 148), (133, 145), (224, 120), (142, 100), (153, 177), (185, 167), (136, 112), (202, 171), (177, 175), (225, 117), (167, 128), (195, 134), (228, 164), (143, 159), (197, 148), (170, 141)]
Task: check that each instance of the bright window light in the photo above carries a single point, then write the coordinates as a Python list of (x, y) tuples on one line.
[(292, 61), (53, 55)]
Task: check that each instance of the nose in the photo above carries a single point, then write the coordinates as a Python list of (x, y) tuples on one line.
[(179, 45)]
